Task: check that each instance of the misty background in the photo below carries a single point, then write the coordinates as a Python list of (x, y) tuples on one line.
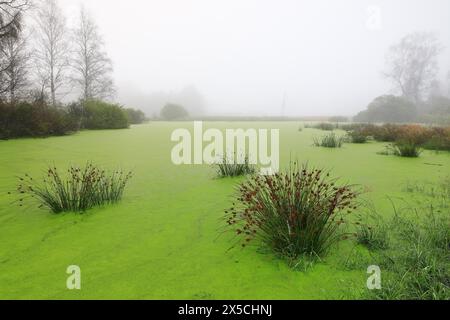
[(258, 57)]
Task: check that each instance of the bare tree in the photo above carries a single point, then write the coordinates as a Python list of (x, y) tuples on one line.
[(92, 67), (52, 52), (11, 17), (412, 64), (14, 78)]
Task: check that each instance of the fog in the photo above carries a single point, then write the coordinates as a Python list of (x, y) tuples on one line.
[(260, 57)]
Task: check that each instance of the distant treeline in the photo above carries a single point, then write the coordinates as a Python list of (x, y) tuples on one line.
[(175, 112), (393, 109)]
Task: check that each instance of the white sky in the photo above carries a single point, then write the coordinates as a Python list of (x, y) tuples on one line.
[(242, 55)]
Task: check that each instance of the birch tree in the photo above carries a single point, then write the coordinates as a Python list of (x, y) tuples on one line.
[(11, 17), (91, 64), (52, 54), (14, 81)]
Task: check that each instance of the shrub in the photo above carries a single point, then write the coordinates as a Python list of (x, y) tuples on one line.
[(409, 140), (230, 168), (413, 134), (405, 139), (405, 149), (388, 109), (135, 116), (329, 141), (172, 112), (82, 189), (296, 213), (357, 136), (386, 132), (25, 119), (100, 115), (439, 139)]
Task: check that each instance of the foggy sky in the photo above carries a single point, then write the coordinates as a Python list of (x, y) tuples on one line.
[(245, 55)]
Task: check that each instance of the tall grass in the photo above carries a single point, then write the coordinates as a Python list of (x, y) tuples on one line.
[(78, 191), (417, 265), (231, 168), (405, 149), (373, 232), (439, 192), (295, 213), (331, 140)]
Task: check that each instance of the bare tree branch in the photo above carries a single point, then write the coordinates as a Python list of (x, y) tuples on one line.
[(11, 17)]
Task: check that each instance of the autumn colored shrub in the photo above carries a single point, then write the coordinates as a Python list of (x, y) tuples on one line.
[(439, 139), (409, 140), (386, 132), (413, 134)]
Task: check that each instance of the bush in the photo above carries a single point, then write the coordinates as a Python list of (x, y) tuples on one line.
[(413, 134), (81, 190), (25, 119), (404, 137), (405, 149), (103, 115), (296, 213), (135, 116), (229, 168), (357, 136), (386, 132), (388, 109), (172, 112), (439, 139), (329, 141), (409, 140)]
